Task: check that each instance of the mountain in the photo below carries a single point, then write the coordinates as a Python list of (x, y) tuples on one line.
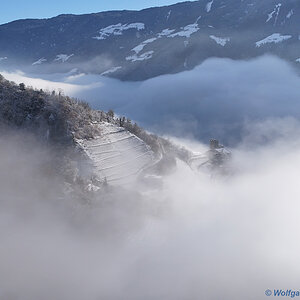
[(136, 45)]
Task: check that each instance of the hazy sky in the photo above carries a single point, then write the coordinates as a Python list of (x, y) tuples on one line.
[(20, 9)]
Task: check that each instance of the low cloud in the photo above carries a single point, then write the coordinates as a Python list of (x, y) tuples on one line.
[(194, 238), (216, 99)]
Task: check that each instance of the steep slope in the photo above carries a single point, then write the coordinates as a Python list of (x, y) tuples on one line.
[(92, 148), (135, 45), (117, 155)]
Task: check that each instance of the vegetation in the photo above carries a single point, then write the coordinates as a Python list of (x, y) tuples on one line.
[(60, 119)]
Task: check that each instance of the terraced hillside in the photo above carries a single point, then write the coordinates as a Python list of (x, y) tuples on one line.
[(117, 155)]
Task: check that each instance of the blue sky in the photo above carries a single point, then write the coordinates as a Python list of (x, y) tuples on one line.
[(20, 9)]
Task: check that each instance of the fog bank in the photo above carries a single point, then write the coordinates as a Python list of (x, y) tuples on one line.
[(216, 99), (195, 238)]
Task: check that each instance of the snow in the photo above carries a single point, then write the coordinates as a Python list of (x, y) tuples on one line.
[(40, 61), (198, 19), (63, 57), (209, 5), (291, 12), (276, 11), (197, 161), (220, 41), (118, 30), (186, 31), (140, 47), (3, 58), (117, 155), (274, 38), (112, 70), (144, 56), (204, 161), (165, 32), (92, 188), (298, 60), (223, 151), (270, 16), (169, 14), (185, 63)]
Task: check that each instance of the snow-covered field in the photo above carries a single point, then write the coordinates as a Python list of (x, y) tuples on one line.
[(117, 155)]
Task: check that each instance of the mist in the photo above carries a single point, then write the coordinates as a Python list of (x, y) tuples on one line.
[(194, 238), (216, 99)]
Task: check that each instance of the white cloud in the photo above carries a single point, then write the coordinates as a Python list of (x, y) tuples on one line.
[(194, 238), (216, 99)]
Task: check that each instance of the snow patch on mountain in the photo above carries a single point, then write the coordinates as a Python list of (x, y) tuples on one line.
[(186, 31), (275, 13), (144, 56), (112, 70), (198, 19), (140, 47), (185, 63), (63, 57), (3, 58), (169, 14), (298, 60), (291, 12), (117, 29), (209, 5), (165, 32), (220, 41), (117, 155), (40, 61), (274, 38)]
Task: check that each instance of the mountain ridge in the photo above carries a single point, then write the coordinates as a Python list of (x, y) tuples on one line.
[(138, 45)]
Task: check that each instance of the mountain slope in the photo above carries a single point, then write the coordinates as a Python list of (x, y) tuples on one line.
[(117, 155), (135, 45), (91, 147)]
